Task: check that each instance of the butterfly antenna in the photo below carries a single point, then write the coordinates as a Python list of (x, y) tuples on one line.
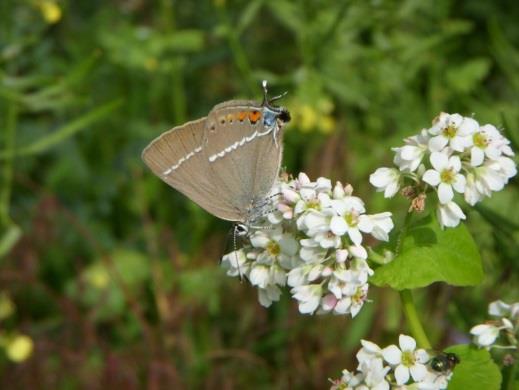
[(273, 99), (265, 92)]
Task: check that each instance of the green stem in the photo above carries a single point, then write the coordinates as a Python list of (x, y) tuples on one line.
[(509, 374), (237, 51), (9, 141), (178, 93), (413, 321), (406, 296)]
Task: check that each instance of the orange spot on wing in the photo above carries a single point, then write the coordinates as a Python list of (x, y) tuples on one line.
[(254, 116), (241, 116)]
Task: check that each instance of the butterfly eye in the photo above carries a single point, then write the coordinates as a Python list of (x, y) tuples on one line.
[(241, 230)]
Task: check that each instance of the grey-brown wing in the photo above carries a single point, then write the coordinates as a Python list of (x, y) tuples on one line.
[(242, 153), (177, 158)]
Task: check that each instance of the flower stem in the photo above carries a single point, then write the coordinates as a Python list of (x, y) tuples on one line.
[(509, 374), (413, 321), (9, 146), (406, 296)]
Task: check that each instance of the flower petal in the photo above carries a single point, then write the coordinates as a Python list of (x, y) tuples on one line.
[(418, 372), (392, 354), (355, 236), (439, 161), (468, 126), (401, 374), (445, 193), (338, 226), (407, 343), (459, 183), (455, 163), (437, 143), (476, 156), (431, 177)]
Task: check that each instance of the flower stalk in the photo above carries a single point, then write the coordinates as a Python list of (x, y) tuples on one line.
[(413, 321)]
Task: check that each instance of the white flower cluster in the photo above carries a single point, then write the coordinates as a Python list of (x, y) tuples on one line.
[(455, 155), (312, 242), (507, 324), (393, 368)]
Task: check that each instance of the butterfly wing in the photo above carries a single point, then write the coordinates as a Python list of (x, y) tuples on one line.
[(243, 154), (177, 158)]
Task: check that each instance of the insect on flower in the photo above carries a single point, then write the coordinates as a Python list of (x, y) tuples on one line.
[(444, 362)]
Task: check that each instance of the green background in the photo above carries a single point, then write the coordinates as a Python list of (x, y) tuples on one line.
[(116, 276)]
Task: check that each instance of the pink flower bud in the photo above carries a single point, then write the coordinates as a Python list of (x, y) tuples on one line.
[(291, 195), (341, 255)]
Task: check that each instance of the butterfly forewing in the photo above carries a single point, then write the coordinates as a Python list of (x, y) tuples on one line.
[(176, 157), (243, 155)]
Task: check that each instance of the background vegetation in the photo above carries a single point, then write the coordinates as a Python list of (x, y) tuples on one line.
[(110, 279)]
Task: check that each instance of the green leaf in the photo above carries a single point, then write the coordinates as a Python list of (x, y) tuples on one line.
[(466, 77), (66, 131), (9, 239), (133, 267), (185, 40), (429, 254), (248, 16), (476, 370)]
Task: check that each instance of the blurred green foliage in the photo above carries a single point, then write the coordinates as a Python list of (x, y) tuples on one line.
[(115, 276)]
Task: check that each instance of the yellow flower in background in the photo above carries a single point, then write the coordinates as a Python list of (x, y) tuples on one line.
[(19, 348), (151, 64), (327, 124), (6, 306), (50, 11), (97, 276), (307, 117), (317, 116)]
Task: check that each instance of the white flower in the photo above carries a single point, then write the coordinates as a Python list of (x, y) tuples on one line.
[(408, 361), (387, 180), (358, 252), (318, 226), (236, 263), (298, 276), (260, 276), (435, 380), (485, 142), (349, 379), (311, 251), (277, 246), (368, 351), (445, 175), (269, 294), (452, 130), (309, 193), (485, 334), (449, 214), (326, 272), (374, 374), (309, 297), (502, 309), (499, 309), (490, 177), (358, 298), (474, 191), (409, 157), (382, 225), (507, 167), (349, 219)]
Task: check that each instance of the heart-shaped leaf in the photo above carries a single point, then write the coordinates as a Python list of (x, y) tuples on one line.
[(429, 254)]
